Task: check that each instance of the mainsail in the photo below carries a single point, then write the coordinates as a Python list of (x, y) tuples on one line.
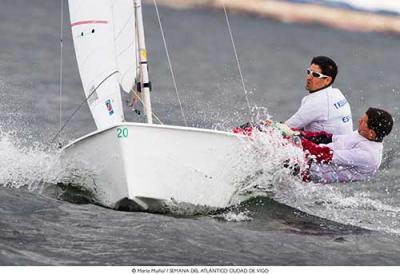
[(104, 38), (125, 42)]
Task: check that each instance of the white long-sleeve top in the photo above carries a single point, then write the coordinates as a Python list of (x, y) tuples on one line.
[(326, 110), (355, 158)]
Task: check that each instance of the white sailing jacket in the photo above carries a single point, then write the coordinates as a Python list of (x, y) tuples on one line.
[(324, 110), (355, 158)]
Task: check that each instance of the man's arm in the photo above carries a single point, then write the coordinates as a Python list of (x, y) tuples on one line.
[(305, 115), (355, 157), (320, 137), (322, 154)]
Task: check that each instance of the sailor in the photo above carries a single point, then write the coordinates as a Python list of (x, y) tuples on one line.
[(350, 157), (325, 108)]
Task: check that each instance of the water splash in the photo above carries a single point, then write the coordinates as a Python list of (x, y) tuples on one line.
[(268, 159), (347, 204), (231, 216), (237, 118), (23, 166)]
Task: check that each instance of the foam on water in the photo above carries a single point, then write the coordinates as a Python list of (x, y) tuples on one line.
[(330, 202), (231, 216)]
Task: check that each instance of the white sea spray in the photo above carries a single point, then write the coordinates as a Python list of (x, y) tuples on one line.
[(26, 166), (231, 216)]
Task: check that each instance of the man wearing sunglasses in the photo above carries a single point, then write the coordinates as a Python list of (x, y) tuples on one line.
[(350, 157), (325, 108)]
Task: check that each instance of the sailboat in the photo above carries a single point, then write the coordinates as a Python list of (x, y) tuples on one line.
[(140, 165)]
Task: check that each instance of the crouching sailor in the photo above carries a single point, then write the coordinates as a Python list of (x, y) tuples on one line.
[(351, 157)]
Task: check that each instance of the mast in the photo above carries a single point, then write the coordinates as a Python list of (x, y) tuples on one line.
[(144, 73)]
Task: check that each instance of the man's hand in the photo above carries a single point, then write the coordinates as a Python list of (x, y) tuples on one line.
[(284, 129)]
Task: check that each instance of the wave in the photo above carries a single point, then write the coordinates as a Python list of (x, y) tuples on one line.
[(269, 214), (272, 193), (345, 204)]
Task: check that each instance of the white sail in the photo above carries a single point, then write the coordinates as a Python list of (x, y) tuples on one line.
[(102, 54), (125, 42)]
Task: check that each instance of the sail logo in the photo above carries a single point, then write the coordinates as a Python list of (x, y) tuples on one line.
[(109, 107)]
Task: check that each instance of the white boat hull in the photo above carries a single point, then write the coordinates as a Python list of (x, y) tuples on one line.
[(142, 163)]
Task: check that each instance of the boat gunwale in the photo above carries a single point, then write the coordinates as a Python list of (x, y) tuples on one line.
[(190, 129)]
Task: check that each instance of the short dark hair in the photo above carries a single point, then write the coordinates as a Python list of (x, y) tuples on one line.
[(380, 121), (327, 65)]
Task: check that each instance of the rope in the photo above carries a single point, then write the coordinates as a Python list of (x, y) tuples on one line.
[(136, 94), (236, 57), (61, 61), (169, 61), (81, 104)]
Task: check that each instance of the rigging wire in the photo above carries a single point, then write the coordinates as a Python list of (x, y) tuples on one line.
[(61, 62), (81, 104), (169, 61), (236, 57)]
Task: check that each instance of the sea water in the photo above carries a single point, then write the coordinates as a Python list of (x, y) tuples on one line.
[(284, 222)]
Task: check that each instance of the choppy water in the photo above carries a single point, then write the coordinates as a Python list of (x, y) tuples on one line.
[(348, 224)]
